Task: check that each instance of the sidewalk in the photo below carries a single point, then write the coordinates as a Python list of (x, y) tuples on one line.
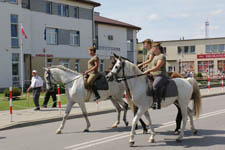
[(27, 117)]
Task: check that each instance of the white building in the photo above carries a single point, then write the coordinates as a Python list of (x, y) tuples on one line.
[(113, 36), (59, 32)]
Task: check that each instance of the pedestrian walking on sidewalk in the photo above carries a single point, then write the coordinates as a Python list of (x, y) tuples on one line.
[(37, 87), (50, 93)]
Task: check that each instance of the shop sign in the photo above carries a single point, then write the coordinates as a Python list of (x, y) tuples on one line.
[(205, 56)]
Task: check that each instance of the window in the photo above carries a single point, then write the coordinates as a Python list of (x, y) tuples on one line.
[(77, 65), (14, 31), (64, 62), (140, 52), (186, 49), (49, 62), (15, 69), (192, 49), (102, 66), (13, 1), (75, 38), (207, 49), (214, 48), (63, 10), (221, 47), (51, 36), (76, 12), (49, 7), (170, 69), (164, 50), (179, 50), (205, 66), (110, 37), (26, 4)]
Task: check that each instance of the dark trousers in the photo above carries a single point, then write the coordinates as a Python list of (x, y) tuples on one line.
[(159, 82), (36, 95), (47, 97)]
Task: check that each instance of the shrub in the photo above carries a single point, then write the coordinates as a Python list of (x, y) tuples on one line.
[(15, 92), (199, 74)]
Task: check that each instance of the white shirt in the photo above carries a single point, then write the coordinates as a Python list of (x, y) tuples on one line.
[(36, 82)]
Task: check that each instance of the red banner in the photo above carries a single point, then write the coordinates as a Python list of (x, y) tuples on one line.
[(205, 56)]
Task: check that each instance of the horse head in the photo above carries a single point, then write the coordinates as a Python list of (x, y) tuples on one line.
[(49, 79), (116, 68)]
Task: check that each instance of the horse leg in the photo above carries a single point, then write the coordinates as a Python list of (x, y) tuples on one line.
[(67, 112), (118, 109), (184, 115), (140, 112), (145, 130), (152, 132), (84, 111), (190, 114), (178, 120), (125, 108)]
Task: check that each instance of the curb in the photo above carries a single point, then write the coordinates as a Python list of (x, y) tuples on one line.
[(51, 119), (73, 116)]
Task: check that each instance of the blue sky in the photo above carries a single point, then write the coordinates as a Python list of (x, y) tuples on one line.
[(168, 19)]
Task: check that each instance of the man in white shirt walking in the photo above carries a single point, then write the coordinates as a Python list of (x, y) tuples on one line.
[(37, 86)]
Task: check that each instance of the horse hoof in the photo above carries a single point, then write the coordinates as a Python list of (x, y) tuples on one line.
[(127, 123), (131, 143), (151, 140), (195, 132), (86, 130), (145, 131), (176, 132), (178, 140), (114, 126), (58, 132)]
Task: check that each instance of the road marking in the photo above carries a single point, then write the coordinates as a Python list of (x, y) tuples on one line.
[(127, 134)]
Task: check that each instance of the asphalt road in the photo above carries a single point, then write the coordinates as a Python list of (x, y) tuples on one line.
[(211, 135)]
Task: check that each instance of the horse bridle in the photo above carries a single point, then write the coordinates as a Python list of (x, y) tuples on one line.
[(51, 76), (124, 77)]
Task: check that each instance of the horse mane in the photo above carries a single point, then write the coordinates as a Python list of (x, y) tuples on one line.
[(65, 69)]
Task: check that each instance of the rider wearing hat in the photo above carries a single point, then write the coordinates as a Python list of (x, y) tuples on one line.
[(150, 55), (158, 71), (92, 71)]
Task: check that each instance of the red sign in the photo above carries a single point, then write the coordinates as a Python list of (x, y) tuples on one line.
[(43, 55), (205, 56)]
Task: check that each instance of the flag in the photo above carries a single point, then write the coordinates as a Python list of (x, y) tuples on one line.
[(23, 32)]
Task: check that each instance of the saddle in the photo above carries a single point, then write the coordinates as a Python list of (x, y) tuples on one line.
[(101, 83), (168, 90)]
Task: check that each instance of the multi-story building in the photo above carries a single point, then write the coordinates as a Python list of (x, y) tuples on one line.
[(59, 29), (59, 32), (195, 55)]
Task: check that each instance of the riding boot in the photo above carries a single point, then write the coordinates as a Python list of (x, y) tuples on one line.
[(95, 91)]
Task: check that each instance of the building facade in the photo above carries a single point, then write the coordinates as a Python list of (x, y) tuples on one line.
[(194, 55), (59, 32)]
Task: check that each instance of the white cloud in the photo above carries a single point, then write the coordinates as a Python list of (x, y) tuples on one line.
[(154, 17), (216, 12)]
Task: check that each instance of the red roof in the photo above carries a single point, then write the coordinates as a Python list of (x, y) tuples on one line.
[(104, 20)]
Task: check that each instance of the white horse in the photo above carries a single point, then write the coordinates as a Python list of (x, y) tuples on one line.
[(76, 93), (136, 83)]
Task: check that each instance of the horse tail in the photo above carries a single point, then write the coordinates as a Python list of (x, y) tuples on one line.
[(196, 96), (129, 100)]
